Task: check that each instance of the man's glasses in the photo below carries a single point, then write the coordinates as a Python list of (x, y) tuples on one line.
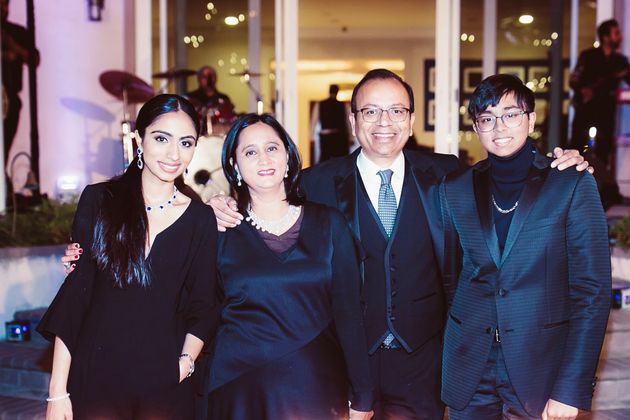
[(487, 123), (396, 114)]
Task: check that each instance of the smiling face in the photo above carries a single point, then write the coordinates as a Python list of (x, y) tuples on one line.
[(168, 146), (261, 159), (382, 141), (503, 141)]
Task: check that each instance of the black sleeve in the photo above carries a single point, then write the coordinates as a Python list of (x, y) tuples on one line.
[(589, 291), (202, 312), (452, 249), (66, 312), (346, 296)]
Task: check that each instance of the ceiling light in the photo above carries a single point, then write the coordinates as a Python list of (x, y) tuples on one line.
[(464, 37), (471, 38), (241, 17), (231, 20), (525, 19), (210, 6)]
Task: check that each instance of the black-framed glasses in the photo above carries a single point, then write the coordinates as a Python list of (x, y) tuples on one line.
[(511, 119), (395, 113)]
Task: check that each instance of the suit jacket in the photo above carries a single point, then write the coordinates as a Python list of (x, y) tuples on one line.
[(548, 293), (335, 183)]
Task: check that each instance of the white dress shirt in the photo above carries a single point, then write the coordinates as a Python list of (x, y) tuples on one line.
[(372, 180)]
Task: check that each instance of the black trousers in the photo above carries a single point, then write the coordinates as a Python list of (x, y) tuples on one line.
[(407, 385), (494, 398)]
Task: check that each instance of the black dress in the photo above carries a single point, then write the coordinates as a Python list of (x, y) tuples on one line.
[(125, 343), (290, 344)]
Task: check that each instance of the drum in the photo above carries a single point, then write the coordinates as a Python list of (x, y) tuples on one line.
[(205, 173)]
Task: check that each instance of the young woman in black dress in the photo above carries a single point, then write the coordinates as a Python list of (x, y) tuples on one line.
[(129, 322)]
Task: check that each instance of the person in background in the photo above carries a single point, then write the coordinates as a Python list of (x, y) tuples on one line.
[(595, 80), (130, 321), (329, 122), (527, 272), (214, 107), (18, 49)]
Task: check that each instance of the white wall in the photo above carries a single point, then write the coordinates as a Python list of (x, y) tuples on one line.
[(79, 123)]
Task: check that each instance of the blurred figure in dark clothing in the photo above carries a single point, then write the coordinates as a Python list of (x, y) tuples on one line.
[(595, 81), (330, 125)]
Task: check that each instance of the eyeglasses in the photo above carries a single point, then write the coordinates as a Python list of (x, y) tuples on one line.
[(510, 120), (396, 114)]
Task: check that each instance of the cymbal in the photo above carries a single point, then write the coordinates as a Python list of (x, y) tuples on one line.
[(174, 74), (116, 81), (247, 73)]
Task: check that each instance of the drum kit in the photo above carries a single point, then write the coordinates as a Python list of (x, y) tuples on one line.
[(205, 173)]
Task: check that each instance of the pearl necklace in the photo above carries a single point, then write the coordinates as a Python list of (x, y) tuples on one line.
[(162, 206), (275, 227), (510, 210)]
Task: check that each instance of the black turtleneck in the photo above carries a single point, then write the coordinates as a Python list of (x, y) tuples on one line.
[(507, 177)]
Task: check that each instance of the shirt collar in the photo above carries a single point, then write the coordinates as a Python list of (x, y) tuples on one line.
[(367, 167)]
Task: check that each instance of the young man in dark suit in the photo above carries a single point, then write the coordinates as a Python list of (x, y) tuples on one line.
[(527, 272), (389, 198)]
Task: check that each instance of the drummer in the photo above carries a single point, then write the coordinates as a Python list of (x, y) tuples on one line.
[(209, 101)]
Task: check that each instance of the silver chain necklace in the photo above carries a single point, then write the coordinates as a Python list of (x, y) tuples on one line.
[(500, 210), (169, 202), (275, 227)]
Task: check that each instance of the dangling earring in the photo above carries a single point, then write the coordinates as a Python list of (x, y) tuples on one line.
[(286, 173), (140, 162), (238, 178), (186, 171)]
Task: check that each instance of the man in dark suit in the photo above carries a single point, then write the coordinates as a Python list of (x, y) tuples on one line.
[(330, 126), (527, 271), (389, 197)]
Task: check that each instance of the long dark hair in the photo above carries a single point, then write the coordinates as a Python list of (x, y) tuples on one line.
[(121, 227), (228, 158)]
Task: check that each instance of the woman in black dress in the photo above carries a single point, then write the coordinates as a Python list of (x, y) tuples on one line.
[(290, 342), (129, 322)]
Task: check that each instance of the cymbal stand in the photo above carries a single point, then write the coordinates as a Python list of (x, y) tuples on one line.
[(259, 101), (127, 139)]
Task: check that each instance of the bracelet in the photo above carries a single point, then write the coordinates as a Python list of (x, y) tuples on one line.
[(61, 397), (191, 362)]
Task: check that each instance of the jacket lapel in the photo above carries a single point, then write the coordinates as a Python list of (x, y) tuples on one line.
[(534, 183), (481, 181), (346, 191)]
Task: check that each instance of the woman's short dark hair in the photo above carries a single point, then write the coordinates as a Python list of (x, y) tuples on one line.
[(228, 158), (493, 88), (121, 227), (382, 74)]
